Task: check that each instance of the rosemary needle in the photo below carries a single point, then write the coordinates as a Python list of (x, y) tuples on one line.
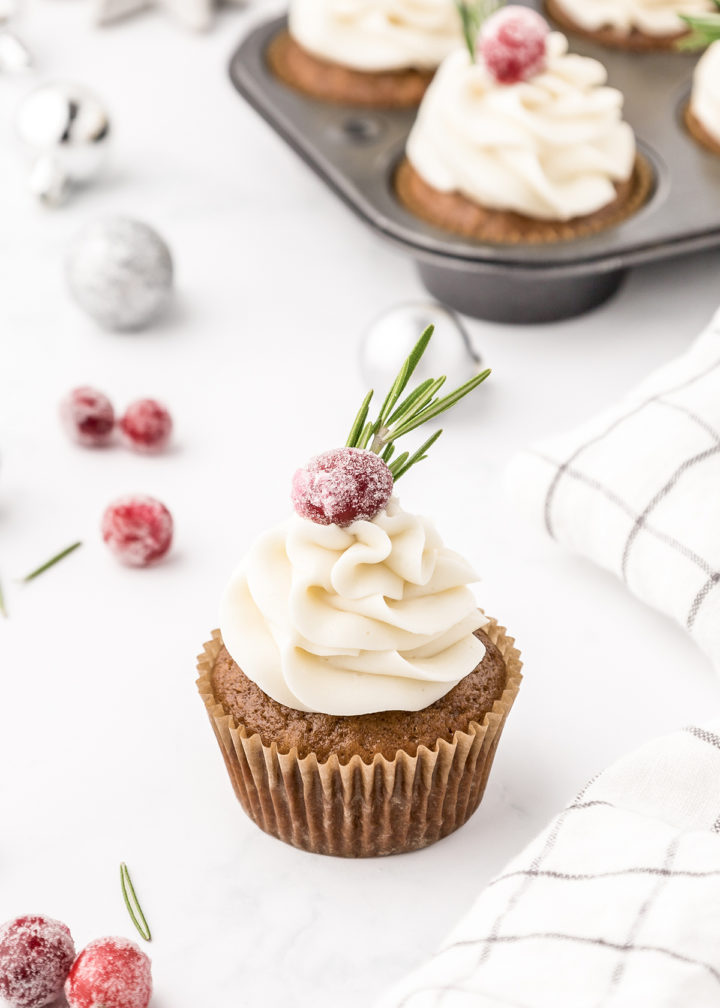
[(131, 902), (51, 562)]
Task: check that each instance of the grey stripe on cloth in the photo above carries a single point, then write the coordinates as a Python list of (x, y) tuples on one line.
[(663, 537), (658, 498), (599, 942), (705, 736), (658, 397), (592, 876), (700, 598), (640, 918), (691, 416), (550, 842)]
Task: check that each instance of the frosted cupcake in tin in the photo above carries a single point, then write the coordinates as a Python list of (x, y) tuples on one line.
[(702, 114), (520, 141), (628, 24), (356, 690), (379, 53)]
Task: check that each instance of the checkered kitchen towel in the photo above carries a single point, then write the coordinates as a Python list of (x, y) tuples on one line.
[(615, 905), (637, 489)]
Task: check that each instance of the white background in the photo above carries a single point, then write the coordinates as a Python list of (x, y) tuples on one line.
[(105, 751)]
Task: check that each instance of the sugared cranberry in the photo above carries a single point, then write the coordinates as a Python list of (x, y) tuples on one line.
[(88, 416), (342, 486), (138, 530), (112, 972), (36, 954), (146, 426), (513, 43)]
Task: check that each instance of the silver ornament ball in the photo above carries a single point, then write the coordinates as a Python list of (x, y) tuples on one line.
[(120, 272), (390, 338), (66, 128), (15, 56)]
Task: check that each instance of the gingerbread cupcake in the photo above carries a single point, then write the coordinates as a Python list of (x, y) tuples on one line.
[(520, 141), (636, 25), (356, 691), (379, 53), (702, 114)]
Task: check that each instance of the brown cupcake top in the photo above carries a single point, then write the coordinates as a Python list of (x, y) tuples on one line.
[(331, 82), (366, 734)]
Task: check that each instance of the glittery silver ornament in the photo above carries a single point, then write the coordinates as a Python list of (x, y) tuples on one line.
[(390, 338), (66, 128), (120, 272)]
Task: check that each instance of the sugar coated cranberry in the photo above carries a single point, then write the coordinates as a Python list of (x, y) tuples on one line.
[(36, 954), (513, 43), (138, 530), (342, 486), (146, 426), (112, 972), (88, 416)]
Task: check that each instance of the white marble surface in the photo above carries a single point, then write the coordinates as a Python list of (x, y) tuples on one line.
[(105, 751)]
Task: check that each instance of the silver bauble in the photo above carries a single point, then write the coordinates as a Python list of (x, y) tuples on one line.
[(66, 128), (120, 272), (14, 54), (390, 338)]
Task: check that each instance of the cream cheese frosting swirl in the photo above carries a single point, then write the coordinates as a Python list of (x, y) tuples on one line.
[(372, 617), (377, 35), (656, 18), (705, 101), (550, 148)]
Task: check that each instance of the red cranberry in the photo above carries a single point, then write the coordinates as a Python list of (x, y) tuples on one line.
[(138, 530), (513, 43), (342, 486), (146, 426), (112, 972), (36, 954), (88, 416)]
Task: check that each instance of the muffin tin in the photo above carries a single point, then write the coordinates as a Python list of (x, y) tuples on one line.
[(355, 151)]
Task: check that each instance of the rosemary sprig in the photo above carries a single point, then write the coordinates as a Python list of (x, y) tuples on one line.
[(472, 14), (398, 417), (705, 30), (131, 902), (52, 561)]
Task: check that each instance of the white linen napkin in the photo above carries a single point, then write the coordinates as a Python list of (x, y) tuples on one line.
[(637, 489), (615, 905)]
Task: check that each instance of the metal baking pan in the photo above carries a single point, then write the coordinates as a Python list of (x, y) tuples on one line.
[(355, 151)]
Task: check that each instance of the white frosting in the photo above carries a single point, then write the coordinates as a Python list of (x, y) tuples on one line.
[(375, 616), (375, 35), (651, 17), (550, 148), (705, 101)]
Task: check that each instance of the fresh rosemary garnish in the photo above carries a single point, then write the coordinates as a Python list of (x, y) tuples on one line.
[(52, 561), (705, 30), (472, 14), (131, 902), (398, 417)]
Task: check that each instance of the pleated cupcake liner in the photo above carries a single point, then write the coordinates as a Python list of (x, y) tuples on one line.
[(359, 809)]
